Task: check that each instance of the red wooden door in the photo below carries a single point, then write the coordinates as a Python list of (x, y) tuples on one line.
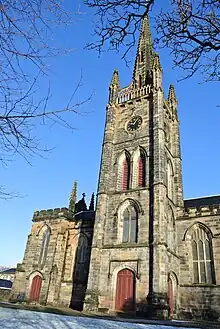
[(124, 300), (35, 288), (170, 295)]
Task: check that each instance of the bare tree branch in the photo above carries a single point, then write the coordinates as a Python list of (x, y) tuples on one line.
[(189, 28), (27, 29)]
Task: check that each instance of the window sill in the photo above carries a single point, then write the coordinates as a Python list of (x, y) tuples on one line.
[(202, 285), (125, 245)]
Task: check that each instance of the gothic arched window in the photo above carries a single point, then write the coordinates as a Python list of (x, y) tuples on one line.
[(130, 221), (125, 173), (142, 170), (203, 269), (44, 246)]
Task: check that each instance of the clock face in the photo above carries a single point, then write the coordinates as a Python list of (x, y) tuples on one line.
[(134, 123)]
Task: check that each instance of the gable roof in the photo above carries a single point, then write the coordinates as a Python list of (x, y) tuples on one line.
[(202, 202), (5, 283)]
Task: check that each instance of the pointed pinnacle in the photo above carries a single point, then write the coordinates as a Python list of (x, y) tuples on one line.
[(73, 196), (115, 79), (156, 63), (172, 94), (91, 206)]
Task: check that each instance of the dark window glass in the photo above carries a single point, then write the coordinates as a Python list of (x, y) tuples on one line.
[(207, 250), (44, 247), (194, 251), (130, 225), (202, 272), (196, 272), (126, 227), (202, 260), (201, 250)]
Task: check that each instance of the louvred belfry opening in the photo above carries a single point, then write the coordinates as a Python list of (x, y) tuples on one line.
[(125, 176), (141, 170)]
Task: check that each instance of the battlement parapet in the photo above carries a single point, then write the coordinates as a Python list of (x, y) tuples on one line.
[(209, 210), (52, 214)]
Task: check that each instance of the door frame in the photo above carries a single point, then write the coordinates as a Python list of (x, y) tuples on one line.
[(31, 277), (114, 283), (33, 284), (173, 278)]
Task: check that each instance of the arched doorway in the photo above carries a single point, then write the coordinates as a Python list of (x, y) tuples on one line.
[(124, 299), (170, 296), (35, 288)]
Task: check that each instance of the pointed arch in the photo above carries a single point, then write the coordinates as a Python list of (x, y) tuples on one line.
[(188, 233), (42, 229), (128, 201), (44, 236), (35, 283), (139, 167), (200, 238), (172, 293), (130, 222), (124, 166), (128, 214)]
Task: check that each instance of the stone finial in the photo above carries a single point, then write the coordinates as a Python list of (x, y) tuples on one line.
[(172, 94), (115, 79), (172, 100), (81, 204), (73, 196), (114, 87), (92, 201), (156, 62)]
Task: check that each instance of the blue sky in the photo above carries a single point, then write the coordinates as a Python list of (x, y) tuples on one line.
[(47, 183)]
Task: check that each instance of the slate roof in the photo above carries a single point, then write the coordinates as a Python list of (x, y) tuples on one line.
[(85, 215), (5, 283), (8, 271), (202, 202)]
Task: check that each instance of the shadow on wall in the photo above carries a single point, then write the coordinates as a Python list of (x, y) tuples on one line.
[(200, 304), (131, 307), (139, 309), (81, 272)]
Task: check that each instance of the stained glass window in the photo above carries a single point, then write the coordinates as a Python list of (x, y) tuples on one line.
[(202, 257)]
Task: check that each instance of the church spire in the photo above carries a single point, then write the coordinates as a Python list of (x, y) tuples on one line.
[(114, 87), (73, 194), (172, 99), (144, 57)]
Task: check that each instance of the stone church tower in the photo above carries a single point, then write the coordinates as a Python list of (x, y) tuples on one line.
[(134, 249), (143, 249)]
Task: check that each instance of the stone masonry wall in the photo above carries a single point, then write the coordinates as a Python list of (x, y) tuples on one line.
[(198, 300)]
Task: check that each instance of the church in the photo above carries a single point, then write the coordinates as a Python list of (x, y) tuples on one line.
[(142, 249)]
